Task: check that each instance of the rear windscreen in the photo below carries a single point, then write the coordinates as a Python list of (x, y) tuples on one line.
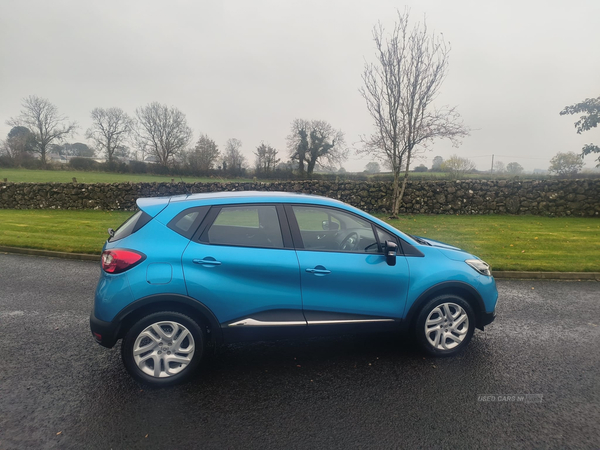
[(131, 225)]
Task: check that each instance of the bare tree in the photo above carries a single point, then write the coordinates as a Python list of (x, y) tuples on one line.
[(44, 121), (399, 90), (163, 131), (204, 155), (315, 141), (499, 168), (457, 167), (233, 159), (141, 146), (266, 158), (110, 130)]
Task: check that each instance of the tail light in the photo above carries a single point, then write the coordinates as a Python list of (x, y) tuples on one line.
[(119, 260)]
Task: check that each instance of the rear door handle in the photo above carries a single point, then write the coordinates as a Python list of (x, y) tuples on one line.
[(207, 261), (319, 271)]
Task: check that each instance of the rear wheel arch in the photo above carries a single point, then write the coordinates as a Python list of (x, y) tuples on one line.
[(170, 302), (458, 288)]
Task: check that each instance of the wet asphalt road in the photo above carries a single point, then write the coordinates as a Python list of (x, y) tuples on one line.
[(59, 389)]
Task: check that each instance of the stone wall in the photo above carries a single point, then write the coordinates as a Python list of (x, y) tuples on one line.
[(548, 197)]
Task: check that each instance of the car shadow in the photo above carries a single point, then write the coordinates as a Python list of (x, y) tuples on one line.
[(282, 378)]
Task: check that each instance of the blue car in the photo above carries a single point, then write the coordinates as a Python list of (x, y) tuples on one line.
[(189, 270)]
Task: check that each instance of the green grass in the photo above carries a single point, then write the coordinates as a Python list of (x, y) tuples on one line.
[(528, 243), (445, 176), (506, 242), (66, 176), (64, 231)]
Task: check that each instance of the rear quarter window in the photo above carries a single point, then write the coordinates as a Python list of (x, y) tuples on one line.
[(187, 222), (130, 226)]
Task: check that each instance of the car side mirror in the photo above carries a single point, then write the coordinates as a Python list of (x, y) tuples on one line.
[(391, 249), (330, 226)]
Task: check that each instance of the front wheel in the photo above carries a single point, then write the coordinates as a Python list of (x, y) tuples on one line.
[(163, 348), (445, 325)]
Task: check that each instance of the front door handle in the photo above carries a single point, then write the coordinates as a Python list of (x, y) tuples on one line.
[(319, 270), (208, 261)]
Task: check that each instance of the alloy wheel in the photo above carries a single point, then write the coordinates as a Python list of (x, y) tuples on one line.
[(164, 349), (446, 326)]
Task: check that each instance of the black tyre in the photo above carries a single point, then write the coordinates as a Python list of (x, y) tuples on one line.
[(163, 348), (445, 325)]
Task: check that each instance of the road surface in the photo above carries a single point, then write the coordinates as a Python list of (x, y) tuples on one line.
[(59, 389)]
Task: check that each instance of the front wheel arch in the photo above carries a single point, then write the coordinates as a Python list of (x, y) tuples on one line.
[(458, 288)]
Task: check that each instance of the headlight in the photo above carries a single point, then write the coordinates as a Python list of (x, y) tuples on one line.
[(480, 266)]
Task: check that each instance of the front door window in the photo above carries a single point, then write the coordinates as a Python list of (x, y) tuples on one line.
[(329, 229)]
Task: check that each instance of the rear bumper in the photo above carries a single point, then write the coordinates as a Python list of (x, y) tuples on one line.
[(105, 333)]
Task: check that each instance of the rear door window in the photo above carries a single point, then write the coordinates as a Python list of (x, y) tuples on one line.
[(247, 225)]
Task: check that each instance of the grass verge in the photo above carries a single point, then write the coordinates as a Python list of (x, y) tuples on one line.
[(63, 231), (528, 243)]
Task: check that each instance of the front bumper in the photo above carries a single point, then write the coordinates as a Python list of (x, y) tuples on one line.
[(487, 318), (105, 333)]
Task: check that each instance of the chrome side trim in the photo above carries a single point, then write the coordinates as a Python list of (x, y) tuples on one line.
[(259, 323), (324, 322)]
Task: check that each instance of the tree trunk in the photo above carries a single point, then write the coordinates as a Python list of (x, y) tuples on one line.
[(163, 158), (395, 196), (43, 156), (310, 167), (301, 167), (405, 178), (109, 153)]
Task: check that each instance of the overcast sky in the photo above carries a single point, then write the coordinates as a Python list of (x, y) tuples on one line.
[(247, 68)]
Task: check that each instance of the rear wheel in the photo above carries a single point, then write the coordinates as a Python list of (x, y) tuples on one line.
[(445, 325), (163, 348)]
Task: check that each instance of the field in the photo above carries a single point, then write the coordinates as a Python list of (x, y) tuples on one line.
[(64, 231), (66, 176), (516, 242), (506, 242)]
